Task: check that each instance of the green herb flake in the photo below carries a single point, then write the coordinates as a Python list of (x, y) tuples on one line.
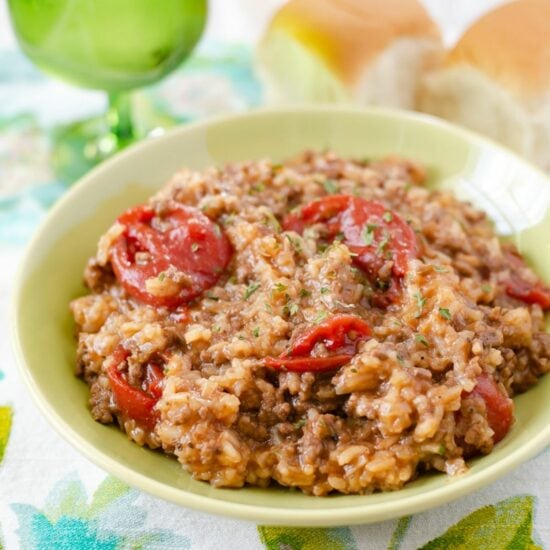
[(257, 187), (486, 288), (441, 269), (210, 296), (445, 313), (273, 222), (368, 233), (305, 293), (250, 289), (420, 303), (354, 370), (400, 359), (442, 449), (331, 187), (421, 339), (300, 423), (382, 245), (195, 247), (291, 309), (324, 290), (162, 276), (232, 280), (279, 287), (275, 167), (256, 332), (320, 316), (407, 187), (387, 216), (216, 328)]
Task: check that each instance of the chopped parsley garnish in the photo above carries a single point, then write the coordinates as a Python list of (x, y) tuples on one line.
[(387, 216), (305, 293), (268, 308), (442, 449), (216, 328), (195, 246), (291, 309), (353, 369), (210, 296), (232, 280), (300, 423), (420, 303), (445, 313), (256, 332), (421, 339), (273, 222), (324, 290), (279, 287), (368, 233), (382, 244), (250, 289), (441, 269), (321, 316), (257, 187), (486, 288), (330, 186), (162, 276), (294, 242), (400, 359)]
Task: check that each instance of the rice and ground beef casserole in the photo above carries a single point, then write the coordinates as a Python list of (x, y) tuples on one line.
[(328, 324)]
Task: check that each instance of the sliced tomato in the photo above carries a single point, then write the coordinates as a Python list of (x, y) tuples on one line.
[(375, 234), (136, 403), (322, 210), (340, 333), (500, 408), (371, 231), (518, 288), (180, 237), (308, 364)]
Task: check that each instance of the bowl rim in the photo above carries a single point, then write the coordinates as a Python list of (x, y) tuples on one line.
[(363, 512)]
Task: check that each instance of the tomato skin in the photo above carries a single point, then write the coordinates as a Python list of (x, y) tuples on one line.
[(334, 332), (500, 408), (518, 288), (136, 403), (373, 234), (528, 293), (400, 239), (181, 237), (308, 364)]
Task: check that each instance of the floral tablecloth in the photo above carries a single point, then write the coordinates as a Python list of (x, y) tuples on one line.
[(51, 497)]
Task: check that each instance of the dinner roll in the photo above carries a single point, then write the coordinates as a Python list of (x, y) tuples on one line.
[(361, 51), (497, 79)]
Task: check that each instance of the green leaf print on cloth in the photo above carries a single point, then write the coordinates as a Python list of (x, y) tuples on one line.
[(111, 521), (298, 538), (5, 427), (508, 524)]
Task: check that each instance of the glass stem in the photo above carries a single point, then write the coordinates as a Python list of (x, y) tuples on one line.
[(119, 117)]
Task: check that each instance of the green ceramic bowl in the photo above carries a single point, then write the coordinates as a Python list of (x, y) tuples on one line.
[(514, 194)]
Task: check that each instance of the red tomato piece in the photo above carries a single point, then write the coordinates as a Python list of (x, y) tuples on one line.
[(518, 288), (334, 332), (180, 237), (308, 364), (341, 332), (371, 231), (375, 234), (500, 408), (136, 403)]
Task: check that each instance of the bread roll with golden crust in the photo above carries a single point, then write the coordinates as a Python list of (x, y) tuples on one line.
[(496, 80), (356, 51)]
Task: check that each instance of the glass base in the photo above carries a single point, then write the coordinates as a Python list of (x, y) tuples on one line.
[(82, 145)]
